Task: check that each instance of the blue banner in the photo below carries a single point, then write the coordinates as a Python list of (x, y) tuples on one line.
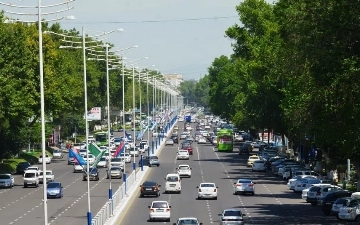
[(76, 157)]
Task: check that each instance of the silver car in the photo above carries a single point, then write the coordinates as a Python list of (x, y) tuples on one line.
[(232, 217), (6, 181), (169, 142), (243, 186)]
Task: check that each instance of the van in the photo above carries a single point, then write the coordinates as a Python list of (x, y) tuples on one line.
[(173, 183), (31, 178), (355, 195)]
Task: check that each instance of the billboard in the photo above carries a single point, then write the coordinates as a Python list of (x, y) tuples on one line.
[(94, 114)]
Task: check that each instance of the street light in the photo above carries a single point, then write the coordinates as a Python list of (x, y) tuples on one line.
[(41, 70)]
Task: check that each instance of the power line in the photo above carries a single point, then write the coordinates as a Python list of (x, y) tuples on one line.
[(163, 21)]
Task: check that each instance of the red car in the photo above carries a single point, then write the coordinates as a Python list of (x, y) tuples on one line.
[(188, 148)]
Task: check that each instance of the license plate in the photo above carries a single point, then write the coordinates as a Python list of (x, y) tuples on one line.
[(148, 189), (159, 210), (172, 185), (52, 193), (311, 194)]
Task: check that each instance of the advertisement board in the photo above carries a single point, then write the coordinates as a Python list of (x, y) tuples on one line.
[(94, 114)]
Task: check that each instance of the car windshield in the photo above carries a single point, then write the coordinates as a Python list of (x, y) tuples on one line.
[(115, 168), (56, 151), (29, 175), (159, 205), (102, 159), (183, 168), (207, 185), (232, 213), (187, 222), (172, 179), (244, 181), (53, 185), (149, 184), (154, 157), (93, 170), (4, 176)]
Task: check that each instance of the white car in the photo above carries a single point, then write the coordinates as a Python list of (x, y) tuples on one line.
[(155, 134), (181, 119), (189, 128), (125, 157), (82, 152), (184, 171), (207, 127), (134, 151), (202, 140), (78, 168), (243, 186), (251, 159), (258, 165), (172, 183), (89, 158), (49, 176), (207, 190), (57, 154), (188, 220), (102, 163), (31, 178), (183, 154), (159, 210), (47, 159), (33, 168)]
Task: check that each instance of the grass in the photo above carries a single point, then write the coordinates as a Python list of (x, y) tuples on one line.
[(9, 165)]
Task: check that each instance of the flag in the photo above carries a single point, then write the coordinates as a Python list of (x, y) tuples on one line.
[(119, 149), (77, 157), (97, 159), (94, 149)]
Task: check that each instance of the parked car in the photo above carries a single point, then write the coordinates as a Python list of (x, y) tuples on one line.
[(21, 167), (150, 188), (54, 190), (329, 199)]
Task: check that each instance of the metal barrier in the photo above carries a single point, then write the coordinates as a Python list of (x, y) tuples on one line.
[(107, 210)]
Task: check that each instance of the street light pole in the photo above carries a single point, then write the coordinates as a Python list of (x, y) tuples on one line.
[(123, 105), (140, 98), (148, 108), (134, 138)]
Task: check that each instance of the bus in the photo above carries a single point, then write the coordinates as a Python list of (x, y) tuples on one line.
[(225, 140), (101, 138)]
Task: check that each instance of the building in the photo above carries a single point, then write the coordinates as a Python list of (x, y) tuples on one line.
[(173, 79)]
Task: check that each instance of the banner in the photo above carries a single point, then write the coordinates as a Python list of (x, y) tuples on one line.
[(94, 149), (77, 157), (94, 114)]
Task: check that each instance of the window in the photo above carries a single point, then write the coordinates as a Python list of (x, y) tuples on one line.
[(207, 185), (183, 168), (160, 205), (172, 179), (188, 222), (232, 213), (244, 181), (29, 175), (3, 176), (354, 203), (53, 185)]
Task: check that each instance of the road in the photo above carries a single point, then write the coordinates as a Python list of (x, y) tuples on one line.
[(272, 203), (20, 206)]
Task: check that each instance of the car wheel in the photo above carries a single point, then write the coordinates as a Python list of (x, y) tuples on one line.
[(141, 196), (179, 192), (215, 198), (107, 177), (157, 165), (149, 165), (168, 220), (314, 203), (253, 193), (158, 194), (25, 185)]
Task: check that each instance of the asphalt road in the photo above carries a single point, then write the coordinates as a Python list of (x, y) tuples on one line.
[(273, 202), (20, 205)]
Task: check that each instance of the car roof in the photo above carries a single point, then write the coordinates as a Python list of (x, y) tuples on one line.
[(188, 218), (172, 174), (183, 165), (207, 183), (234, 210), (159, 202), (239, 180)]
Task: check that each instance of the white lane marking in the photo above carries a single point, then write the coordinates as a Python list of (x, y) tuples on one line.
[(32, 209), (233, 186), (76, 201), (202, 178), (30, 193)]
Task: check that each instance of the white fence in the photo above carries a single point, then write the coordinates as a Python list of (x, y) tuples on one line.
[(108, 209)]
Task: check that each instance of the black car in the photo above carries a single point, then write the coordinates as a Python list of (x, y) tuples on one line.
[(93, 174), (21, 167), (150, 188), (330, 198), (175, 139)]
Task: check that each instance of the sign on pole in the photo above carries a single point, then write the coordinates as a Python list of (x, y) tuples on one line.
[(94, 114)]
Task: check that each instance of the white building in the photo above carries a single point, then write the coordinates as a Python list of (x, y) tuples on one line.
[(173, 79)]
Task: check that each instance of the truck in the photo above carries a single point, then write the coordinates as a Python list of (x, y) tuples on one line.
[(188, 119)]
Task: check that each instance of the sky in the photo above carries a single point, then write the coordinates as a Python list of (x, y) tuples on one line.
[(178, 36)]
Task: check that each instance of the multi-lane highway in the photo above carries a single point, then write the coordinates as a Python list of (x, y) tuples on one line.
[(20, 205), (272, 202)]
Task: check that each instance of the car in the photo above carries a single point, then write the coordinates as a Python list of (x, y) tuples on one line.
[(329, 199), (173, 183), (155, 134), (188, 221), (258, 165), (33, 168), (207, 190), (102, 163), (49, 176), (183, 154), (47, 159), (125, 157), (202, 140), (151, 161), (57, 154), (175, 138), (175, 128), (78, 168), (134, 151), (184, 171), (251, 160), (31, 178), (115, 172), (188, 148), (54, 190), (83, 152), (93, 174), (183, 136), (246, 148), (21, 167), (339, 203), (234, 215), (117, 162), (89, 158), (159, 210), (244, 186), (6, 181), (150, 188), (169, 142)]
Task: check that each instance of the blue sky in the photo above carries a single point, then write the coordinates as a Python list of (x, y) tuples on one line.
[(173, 44)]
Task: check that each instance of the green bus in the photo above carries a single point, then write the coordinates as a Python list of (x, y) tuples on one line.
[(225, 140), (101, 138)]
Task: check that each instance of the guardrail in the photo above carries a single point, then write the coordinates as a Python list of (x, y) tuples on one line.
[(107, 210)]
